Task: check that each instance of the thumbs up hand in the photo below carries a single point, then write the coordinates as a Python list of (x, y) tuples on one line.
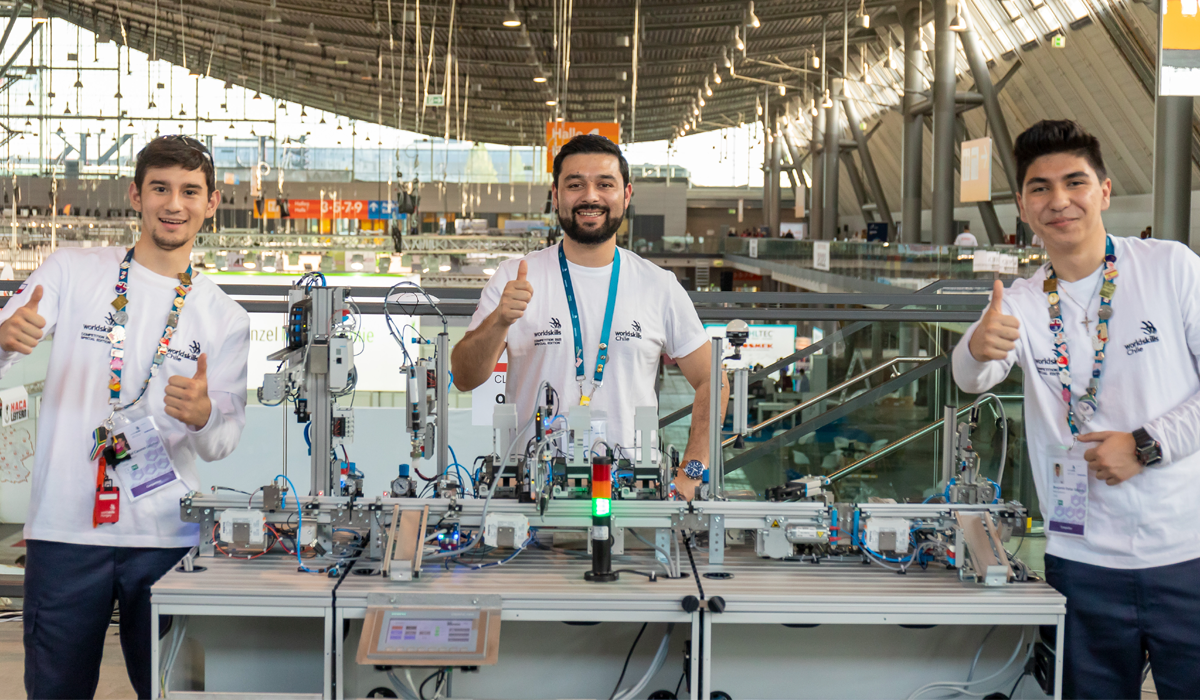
[(22, 331), (187, 399), (996, 334), (515, 298)]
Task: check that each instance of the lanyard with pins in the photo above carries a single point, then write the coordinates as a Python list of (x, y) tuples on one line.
[(117, 335), (602, 356), (1089, 404)]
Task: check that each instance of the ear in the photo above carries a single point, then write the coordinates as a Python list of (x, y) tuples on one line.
[(554, 196), (628, 194), (1105, 194), (1021, 207), (214, 200), (135, 197)]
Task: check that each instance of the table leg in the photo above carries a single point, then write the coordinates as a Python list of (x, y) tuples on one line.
[(329, 642), (694, 670), (155, 649), (706, 655), (1060, 642)]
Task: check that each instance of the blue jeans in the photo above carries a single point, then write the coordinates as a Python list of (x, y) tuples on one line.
[(69, 595), (1116, 617)]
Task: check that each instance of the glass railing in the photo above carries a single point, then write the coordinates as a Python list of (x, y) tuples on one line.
[(911, 265)]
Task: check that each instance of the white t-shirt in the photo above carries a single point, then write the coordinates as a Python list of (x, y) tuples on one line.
[(78, 289), (966, 238), (1150, 380), (653, 315)]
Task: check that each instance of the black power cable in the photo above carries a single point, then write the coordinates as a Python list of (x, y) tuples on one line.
[(692, 561), (627, 658)]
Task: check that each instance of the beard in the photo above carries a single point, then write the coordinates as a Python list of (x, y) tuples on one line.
[(601, 234)]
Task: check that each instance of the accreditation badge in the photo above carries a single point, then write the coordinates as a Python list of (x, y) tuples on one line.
[(1068, 491)]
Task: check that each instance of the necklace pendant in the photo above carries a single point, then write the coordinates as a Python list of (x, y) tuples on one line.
[(119, 303), (185, 278)]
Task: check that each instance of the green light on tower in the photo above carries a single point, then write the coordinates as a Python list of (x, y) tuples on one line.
[(601, 507)]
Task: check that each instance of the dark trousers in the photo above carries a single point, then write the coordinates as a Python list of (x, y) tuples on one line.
[(1116, 617), (69, 595)]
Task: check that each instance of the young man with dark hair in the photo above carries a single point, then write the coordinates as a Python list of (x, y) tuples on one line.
[(1108, 335), (600, 319), (147, 369)]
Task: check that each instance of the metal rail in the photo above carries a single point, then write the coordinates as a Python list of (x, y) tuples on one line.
[(830, 392)]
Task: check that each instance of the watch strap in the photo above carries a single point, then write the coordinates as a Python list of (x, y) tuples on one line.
[(1149, 452)]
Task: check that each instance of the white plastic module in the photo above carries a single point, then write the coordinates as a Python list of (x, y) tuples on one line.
[(242, 528)]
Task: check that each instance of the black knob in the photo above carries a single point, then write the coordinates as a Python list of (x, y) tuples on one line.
[(716, 604), (691, 603)]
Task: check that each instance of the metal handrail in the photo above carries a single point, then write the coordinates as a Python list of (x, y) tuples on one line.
[(920, 432), (829, 392)]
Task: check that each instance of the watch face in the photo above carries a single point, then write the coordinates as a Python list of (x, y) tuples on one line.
[(694, 469)]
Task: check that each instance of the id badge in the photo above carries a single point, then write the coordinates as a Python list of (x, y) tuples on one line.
[(148, 468), (1068, 491)]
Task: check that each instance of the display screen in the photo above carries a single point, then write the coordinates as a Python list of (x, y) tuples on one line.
[(432, 632)]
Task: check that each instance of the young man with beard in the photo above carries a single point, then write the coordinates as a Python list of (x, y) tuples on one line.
[(588, 318), (1108, 336), (146, 349)]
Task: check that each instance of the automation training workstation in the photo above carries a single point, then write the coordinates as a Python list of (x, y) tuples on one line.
[(416, 590)]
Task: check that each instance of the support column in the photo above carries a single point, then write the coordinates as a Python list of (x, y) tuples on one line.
[(776, 182), (991, 223), (833, 138), (883, 213), (944, 126), (856, 184), (1173, 168), (914, 131), (766, 166), (991, 106), (816, 219), (794, 171)]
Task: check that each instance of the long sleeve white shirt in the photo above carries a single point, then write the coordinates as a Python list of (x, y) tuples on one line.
[(78, 290), (1150, 379)]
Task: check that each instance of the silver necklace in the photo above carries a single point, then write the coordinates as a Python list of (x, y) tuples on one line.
[(1087, 321)]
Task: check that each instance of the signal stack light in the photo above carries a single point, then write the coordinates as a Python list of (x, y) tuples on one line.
[(601, 522)]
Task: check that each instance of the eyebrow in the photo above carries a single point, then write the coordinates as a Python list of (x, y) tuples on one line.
[(580, 176), (164, 183), (1046, 181)]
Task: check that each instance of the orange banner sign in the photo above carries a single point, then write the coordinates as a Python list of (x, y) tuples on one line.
[(558, 133)]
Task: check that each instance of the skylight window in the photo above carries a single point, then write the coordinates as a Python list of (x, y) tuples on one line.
[(1077, 8), (1049, 18)]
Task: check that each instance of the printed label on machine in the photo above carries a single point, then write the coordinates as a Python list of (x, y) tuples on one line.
[(1068, 492), (148, 468)]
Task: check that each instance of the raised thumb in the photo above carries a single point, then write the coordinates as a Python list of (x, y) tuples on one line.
[(522, 271), (34, 298), (201, 366), (997, 296)]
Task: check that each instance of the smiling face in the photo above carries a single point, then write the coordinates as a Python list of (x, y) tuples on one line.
[(1061, 200), (174, 202), (590, 197)]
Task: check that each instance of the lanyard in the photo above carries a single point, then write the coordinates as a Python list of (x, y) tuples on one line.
[(602, 357), (1089, 404), (117, 335)]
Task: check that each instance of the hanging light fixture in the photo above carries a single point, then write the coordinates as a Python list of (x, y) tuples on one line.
[(181, 112), (707, 89), (737, 39), (311, 39), (716, 75), (78, 82), (816, 61), (751, 18), (812, 106), (511, 19), (257, 96), (783, 90), (118, 95), (758, 106), (828, 103), (725, 58), (539, 78), (322, 118), (863, 18), (151, 105), (303, 113), (68, 109), (29, 101), (273, 15), (39, 15), (959, 23)]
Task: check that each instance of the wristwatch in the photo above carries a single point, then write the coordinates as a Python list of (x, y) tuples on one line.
[(694, 469), (1149, 452)]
